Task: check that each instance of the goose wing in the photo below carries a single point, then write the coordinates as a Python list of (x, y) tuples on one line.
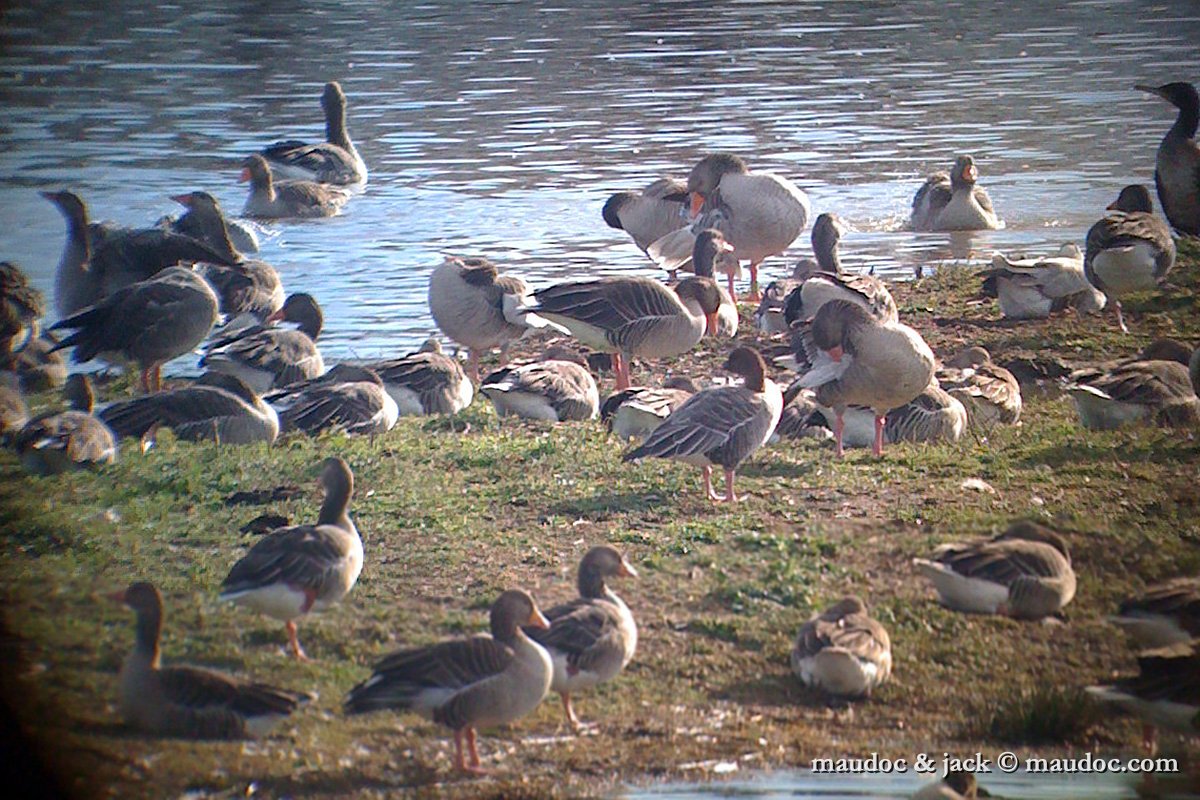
[(707, 420), (303, 557)]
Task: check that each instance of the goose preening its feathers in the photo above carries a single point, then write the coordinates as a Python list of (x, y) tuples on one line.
[(651, 214), (952, 201), (1033, 288), (843, 651), (334, 160)]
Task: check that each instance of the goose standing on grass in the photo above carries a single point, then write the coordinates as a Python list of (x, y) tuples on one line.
[(631, 317), (190, 702), (1165, 614), (272, 199), (1024, 573), (1033, 288), (957, 785), (425, 382), (953, 201), (215, 407), (302, 568), (349, 397), (555, 390), (592, 638), (1138, 391), (990, 393), (58, 441), (635, 412), (1130, 250), (843, 651), (21, 306), (265, 357), (710, 252), (723, 425), (334, 160), (1165, 692), (932, 416), (477, 307), (865, 362), (148, 323), (465, 684), (1177, 165), (651, 214)]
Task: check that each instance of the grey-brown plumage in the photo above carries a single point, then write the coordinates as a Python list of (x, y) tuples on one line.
[(334, 160), (1156, 391), (952, 201), (1163, 614), (234, 237), (425, 382), (1177, 164), (555, 390), (39, 365), (21, 306), (635, 412), (843, 650), (990, 392), (13, 411), (272, 199), (1164, 693), (218, 407), (58, 441), (348, 397), (650, 214), (1034, 288), (266, 357)]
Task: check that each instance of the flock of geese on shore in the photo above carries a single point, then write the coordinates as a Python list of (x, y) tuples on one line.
[(143, 297)]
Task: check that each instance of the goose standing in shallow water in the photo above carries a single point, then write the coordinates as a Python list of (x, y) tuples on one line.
[(272, 199), (190, 702), (215, 407), (953, 201), (425, 382), (466, 684), (265, 357), (843, 651), (648, 216), (592, 638), (1177, 165), (334, 160), (555, 390), (723, 425), (302, 568), (58, 441), (1033, 288), (1130, 249)]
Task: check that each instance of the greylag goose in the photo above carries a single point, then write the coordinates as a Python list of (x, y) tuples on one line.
[(761, 214), (334, 160), (632, 316), (466, 684), (217, 407), (843, 651), (1157, 391), (932, 416), (722, 425), (39, 366), (556, 390), (801, 417), (56, 442), (710, 250), (476, 306), (272, 199), (953, 201), (1024, 573), (1033, 288), (1165, 614), (815, 288), (592, 638), (242, 236), (425, 382), (265, 357), (190, 702), (21, 306), (990, 393), (1130, 249), (148, 323), (862, 361), (349, 397), (957, 785), (302, 568), (826, 234), (14, 414), (635, 412), (1177, 165), (1165, 692), (648, 216)]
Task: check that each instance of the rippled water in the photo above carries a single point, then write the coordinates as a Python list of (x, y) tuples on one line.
[(500, 130)]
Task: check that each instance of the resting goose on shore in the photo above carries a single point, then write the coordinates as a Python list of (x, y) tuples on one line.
[(39, 366), (334, 160), (843, 651), (990, 393), (349, 397), (266, 357), (302, 568), (1024, 573), (635, 412), (1033, 288), (55, 442), (651, 214), (190, 702), (932, 416), (477, 307), (217, 407), (592, 638), (556, 390), (801, 417), (272, 199), (1165, 692), (465, 684), (953, 201), (761, 214), (631, 317), (1129, 250), (1163, 614), (21, 306), (865, 362), (1177, 165), (1156, 391), (148, 323), (425, 382), (722, 425)]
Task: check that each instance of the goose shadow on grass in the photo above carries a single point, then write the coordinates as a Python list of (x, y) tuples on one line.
[(1150, 449), (779, 690), (606, 502)]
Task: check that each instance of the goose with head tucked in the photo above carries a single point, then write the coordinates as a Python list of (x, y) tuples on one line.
[(348, 397), (990, 393), (190, 702), (953, 201), (556, 389), (635, 412), (302, 568), (334, 160), (425, 382), (1129, 250), (592, 638), (1163, 614), (1177, 164), (272, 199), (843, 651), (1158, 390), (55, 442), (1024, 572), (633, 316), (266, 357), (465, 684), (1165, 693), (1033, 288), (722, 425), (651, 214), (932, 416)]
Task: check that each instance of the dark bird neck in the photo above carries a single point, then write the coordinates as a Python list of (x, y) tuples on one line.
[(149, 631), (335, 509), (335, 128), (1186, 123)]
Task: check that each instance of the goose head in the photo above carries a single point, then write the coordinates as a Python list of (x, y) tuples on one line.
[(711, 251), (69, 205), (845, 607), (970, 357), (747, 363), (1133, 198), (333, 99), (826, 236), (1179, 94), (78, 392), (706, 176), (257, 171), (836, 325), (701, 292), (964, 173), (598, 564), (513, 610), (304, 310)]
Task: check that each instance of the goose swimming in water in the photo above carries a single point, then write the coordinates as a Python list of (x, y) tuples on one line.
[(334, 160), (952, 201)]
